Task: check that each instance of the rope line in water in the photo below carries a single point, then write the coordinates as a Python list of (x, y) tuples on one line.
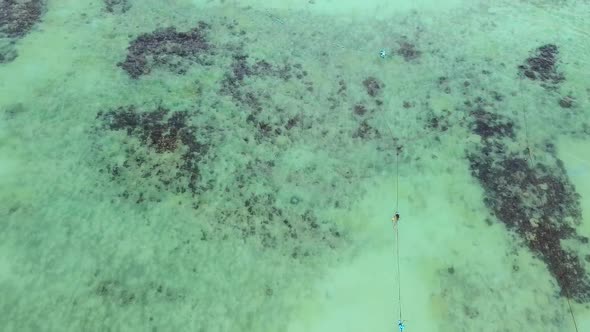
[(399, 280), (395, 221), (569, 304), (400, 322)]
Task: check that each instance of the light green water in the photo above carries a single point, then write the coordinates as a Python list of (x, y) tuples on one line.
[(290, 229)]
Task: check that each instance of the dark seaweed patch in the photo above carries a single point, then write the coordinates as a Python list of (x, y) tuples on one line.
[(265, 220), (490, 125), (13, 110), (292, 122), (7, 52), (439, 122), (17, 17), (360, 109), (167, 48), (542, 66), (443, 84), (241, 69), (408, 50), (252, 101), (114, 291), (116, 6), (537, 201), (161, 131), (373, 86), (341, 87), (566, 102), (366, 131), (117, 293)]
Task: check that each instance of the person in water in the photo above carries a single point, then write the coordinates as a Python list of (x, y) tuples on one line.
[(395, 218)]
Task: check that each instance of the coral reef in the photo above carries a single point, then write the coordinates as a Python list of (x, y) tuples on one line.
[(116, 6), (160, 131), (373, 86), (534, 199), (17, 18), (169, 49), (408, 50), (253, 101), (542, 66)]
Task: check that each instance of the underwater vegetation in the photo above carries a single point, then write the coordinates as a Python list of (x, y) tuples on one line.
[(190, 140), (167, 48), (116, 6), (541, 66), (160, 131), (407, 50), (254, 102), (17, 18), (533, 198)]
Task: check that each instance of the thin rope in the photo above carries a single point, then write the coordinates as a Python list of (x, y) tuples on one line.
[(571, 310), (396, 178), (395, 224), (399, 280)]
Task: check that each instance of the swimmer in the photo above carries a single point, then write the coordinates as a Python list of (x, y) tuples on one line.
[(395, 218)]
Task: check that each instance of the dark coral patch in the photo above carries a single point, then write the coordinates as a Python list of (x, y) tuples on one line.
[(366, 131), (167, 48), (566, 102), (407, 104), (264, 220), (537, 201), (359, 109), (439, 122), (408, 50), (443, 84), (7, 53), (542, 66), (274, 223), (161, 131), (292, 122), (116, 6), (341, 87), (373, 86), (241, 68), (490, 125), (17, 17), (120, 294), (253, 101)]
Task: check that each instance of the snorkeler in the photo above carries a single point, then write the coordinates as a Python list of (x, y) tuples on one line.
[(395, 218)]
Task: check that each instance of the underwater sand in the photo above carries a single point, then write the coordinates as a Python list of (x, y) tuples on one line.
[(288, 228)]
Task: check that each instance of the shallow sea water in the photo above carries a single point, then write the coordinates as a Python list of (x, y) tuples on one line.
[(235, 165)]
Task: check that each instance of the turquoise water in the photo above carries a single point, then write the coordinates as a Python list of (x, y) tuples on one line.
[(235, 166)]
